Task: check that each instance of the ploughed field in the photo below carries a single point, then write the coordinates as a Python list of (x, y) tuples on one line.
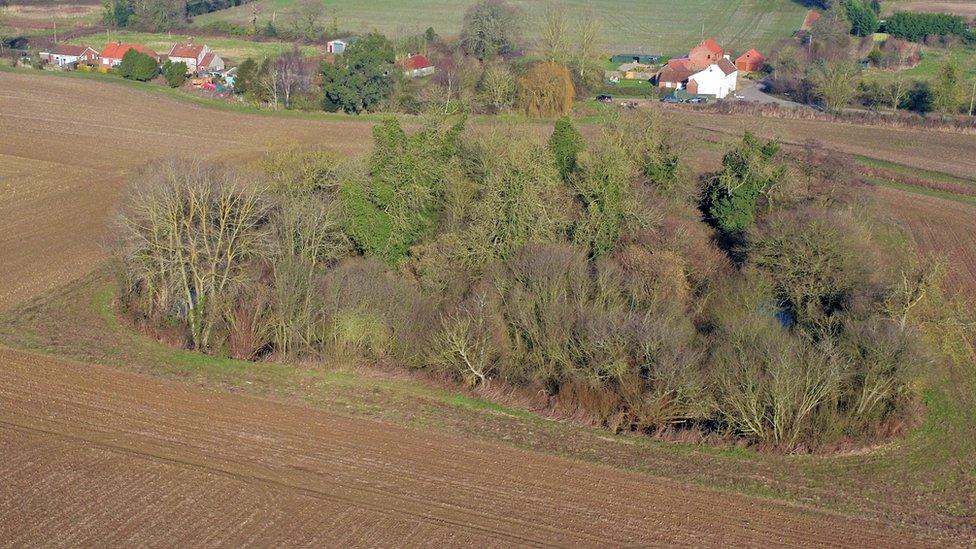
[(98, 456), (66, 145), (95, 455)]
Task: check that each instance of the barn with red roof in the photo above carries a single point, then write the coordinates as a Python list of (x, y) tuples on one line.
[(750, 61)]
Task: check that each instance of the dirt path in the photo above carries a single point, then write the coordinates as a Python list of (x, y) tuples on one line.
[(97, 456)]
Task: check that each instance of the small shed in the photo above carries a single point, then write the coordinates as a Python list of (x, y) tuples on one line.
[(750, 61), (641, 58), (336, 47)]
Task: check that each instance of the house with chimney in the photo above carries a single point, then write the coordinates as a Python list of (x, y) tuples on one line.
[(199, 58), (706, 70), (69, 55)]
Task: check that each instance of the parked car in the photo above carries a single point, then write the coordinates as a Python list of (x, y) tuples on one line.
[(673, 99), (604, 98), (698, 100)]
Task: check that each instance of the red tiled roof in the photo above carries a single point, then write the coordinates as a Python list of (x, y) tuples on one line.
[(751, 56), (207, 59), (416, 62), (711, 45), (189, 50), (727, 66), (115, 50), (677, 70)]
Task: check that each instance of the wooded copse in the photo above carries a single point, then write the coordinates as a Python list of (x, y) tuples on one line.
[(582, 270)]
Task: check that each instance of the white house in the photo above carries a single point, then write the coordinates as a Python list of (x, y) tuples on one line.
[(335, 47), (198, 57), (718, 79), (69, 54)]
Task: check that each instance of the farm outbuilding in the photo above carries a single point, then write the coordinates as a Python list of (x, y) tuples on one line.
[(640, 58), (750, 61)]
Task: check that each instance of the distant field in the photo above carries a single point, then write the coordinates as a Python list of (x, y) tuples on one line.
[(966, 8), (41, 19), (233, 49), (644, 25)]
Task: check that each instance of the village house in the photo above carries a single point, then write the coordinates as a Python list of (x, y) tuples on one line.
[(707, 70), (64, 55), (706, 53), (199, 58), (112, 55), (750, 61), (416, 65)]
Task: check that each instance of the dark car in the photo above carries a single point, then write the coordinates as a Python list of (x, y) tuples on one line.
[(604, 98), (672, 99), (698, 100)]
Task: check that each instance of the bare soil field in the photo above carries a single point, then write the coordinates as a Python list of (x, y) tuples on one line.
[(946, 152), (97, 456), (66, 145), (941, 227)]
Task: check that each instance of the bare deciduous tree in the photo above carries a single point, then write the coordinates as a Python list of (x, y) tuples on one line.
[(306, 19), (553, 42), (185, 232), (286, 77)]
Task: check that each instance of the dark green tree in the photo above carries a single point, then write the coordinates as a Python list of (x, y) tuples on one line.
[(138, 66), (947, 89), (246, 78), (748, 171), (864, 21), (398, 203), (361, 77), (565, 144), (175, 73)]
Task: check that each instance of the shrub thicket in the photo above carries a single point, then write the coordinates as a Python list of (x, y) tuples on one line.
[(572, 270)]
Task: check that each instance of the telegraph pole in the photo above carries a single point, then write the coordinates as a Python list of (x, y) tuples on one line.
[(972, 102)]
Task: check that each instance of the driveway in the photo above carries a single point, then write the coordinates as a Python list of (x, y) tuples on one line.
[(752, 91)]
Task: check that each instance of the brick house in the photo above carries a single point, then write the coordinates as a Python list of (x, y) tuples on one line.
[(706, 70), (750, 61)]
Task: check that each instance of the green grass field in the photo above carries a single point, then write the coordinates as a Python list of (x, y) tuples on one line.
[(932, 59), (652, 26), (232, 49)]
